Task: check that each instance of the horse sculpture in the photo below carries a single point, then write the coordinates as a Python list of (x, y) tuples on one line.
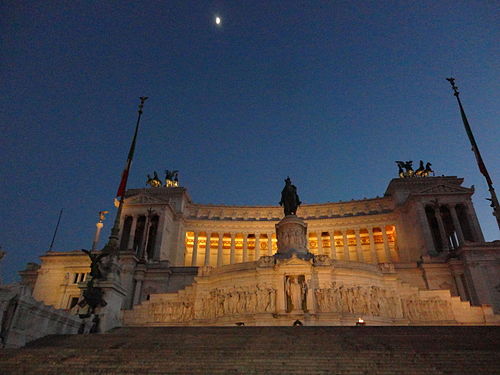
[(409, 172), (171, 178), (155, 181), (289, 198), (428, 170)]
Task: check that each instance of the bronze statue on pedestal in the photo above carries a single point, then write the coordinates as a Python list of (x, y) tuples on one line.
[(289, 198)]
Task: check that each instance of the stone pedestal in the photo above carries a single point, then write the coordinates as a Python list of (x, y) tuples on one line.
[(114, 295), (291, 233)]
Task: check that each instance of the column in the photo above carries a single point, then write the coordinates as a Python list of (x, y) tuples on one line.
[(320, 243), (346, 244), (269, 244), (476, 228), (257, 246), (232, 256), (195, 250), (426, 228), (131, 238), (359, 249), (220, 249), (207, 250), (333, 250), (442, 231), (373, 251), (456, 224), (245, 247), (387, 250)]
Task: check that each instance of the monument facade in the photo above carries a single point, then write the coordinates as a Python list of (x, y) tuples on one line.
[(414, 256)]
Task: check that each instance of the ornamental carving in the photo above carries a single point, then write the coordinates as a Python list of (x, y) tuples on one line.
[(260, 298), (171, 311), (358, 300), (376, 301)]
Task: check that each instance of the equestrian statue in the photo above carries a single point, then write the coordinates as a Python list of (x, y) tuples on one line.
[(289, 198)]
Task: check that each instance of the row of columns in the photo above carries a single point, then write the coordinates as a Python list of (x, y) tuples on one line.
[(445, 244), (232, 254), (321, 250), (148, 217), (359, 248)]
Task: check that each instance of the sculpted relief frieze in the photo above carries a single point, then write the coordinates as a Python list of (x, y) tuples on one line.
[(380, 302), (171, 311), (336, 298), (220, 302)]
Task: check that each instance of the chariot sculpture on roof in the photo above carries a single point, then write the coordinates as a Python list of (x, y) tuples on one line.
[(155, 181), (171, 178), (405, 169)]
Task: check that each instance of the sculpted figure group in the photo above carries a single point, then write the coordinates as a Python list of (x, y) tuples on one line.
[(376, 301), (172, 311), (409, 172), (334, 298), (416, 309), (358, 300), (171, 179), (237, 300)]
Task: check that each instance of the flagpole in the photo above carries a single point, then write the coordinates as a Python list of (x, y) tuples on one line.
[(482, 167), (55, 230), (112, 245)]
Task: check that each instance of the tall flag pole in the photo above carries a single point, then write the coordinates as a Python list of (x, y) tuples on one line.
[(112, 245), (482, 168), (55, 231)]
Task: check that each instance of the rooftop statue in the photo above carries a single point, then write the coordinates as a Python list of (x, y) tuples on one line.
[(155, 181), (171, 178), (409, 172), (289, 198), (427, 170)]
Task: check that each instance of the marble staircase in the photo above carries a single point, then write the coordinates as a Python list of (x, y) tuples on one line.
[(263, 350)]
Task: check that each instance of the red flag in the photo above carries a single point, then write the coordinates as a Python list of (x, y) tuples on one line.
[(123, 182)]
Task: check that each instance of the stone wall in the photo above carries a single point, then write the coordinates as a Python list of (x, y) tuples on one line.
[(327, 292), (24, 319)]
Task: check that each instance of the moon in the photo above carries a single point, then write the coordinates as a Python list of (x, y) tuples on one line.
[(218, 20)]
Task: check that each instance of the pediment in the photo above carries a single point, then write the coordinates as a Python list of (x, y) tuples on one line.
[(294, 261), (445, 189), (144, 199)]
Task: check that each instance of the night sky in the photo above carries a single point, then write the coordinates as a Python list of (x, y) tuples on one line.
[(330, 93)]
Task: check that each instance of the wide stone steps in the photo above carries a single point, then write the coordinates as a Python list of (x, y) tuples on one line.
[(263, 350)]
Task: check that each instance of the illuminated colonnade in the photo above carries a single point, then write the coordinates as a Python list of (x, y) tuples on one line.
[(373, 244)]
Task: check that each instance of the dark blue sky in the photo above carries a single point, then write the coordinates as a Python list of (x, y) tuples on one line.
[(328, 92)]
